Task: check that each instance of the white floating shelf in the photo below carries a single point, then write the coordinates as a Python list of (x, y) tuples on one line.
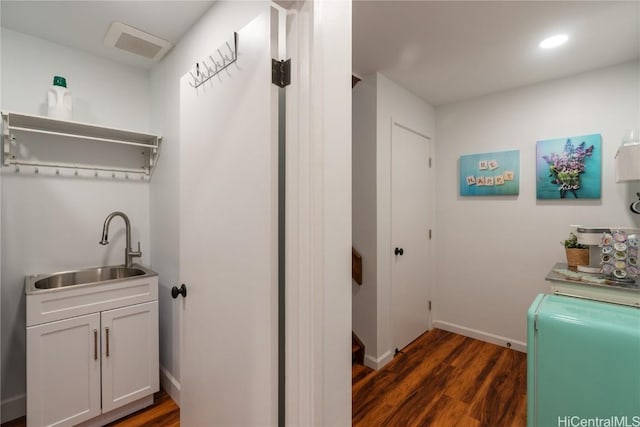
[(19, 129)]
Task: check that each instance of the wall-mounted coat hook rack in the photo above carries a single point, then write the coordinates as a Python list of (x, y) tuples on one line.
[(210, 67)]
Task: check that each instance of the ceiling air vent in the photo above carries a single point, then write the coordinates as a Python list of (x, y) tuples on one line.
[(137, 42)]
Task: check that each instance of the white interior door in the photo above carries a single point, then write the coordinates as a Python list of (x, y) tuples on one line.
[(228, 239), (409, 235)]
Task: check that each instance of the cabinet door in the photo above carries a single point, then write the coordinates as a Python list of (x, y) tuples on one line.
[(63, 371), (130, 365)]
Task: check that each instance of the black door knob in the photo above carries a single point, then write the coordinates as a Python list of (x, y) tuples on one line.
[(398, 251), (181, 291)]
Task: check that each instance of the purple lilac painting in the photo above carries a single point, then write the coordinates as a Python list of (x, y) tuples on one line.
[(569, 168)]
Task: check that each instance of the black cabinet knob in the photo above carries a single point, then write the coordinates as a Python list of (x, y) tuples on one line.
[(398, 251), (181, 291)]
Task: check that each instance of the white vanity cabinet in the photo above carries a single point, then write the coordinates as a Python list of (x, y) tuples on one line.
[(94, 368)]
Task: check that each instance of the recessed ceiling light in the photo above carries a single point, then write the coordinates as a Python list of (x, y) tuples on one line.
[(553, 41)]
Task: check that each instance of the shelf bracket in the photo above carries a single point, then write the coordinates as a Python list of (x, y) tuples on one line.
[(6, 140)]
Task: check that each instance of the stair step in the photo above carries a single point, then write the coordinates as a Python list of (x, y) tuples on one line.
[(358, 372), (357, 350)]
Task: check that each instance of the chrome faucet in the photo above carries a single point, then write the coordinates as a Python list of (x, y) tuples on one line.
[(128, 253)]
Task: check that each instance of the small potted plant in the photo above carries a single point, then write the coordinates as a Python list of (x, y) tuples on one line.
[(577, 253)]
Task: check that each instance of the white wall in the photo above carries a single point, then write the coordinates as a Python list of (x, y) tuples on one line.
[(318, 241), (364, 213), (54, 223), (392, 102), (104, 92), (217, 24), (331, 126), (493, 253)]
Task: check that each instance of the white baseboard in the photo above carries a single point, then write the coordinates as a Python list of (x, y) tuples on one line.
[(170, 385), (482, 336), (378, 363), (14, 407)]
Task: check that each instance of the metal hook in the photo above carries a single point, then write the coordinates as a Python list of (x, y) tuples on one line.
[(207, 70), (210, 71), (195, 80), (224, 57), (233, 52), (216, 63)]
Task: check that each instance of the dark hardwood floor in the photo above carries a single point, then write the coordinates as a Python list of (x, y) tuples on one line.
[(440, 380), (163, 413), (444, 379)]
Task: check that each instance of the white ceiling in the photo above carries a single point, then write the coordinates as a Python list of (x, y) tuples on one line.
[(83, 24), (443, 51)]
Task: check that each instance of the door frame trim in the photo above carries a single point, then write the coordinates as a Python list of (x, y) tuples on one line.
[(407, 128), (318, 215)]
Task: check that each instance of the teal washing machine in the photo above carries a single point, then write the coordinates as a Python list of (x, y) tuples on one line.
[(583, 363)]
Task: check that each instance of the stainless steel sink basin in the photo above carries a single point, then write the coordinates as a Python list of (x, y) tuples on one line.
[(84, 277)]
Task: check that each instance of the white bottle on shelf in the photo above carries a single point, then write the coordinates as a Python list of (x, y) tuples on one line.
[(59, 104)]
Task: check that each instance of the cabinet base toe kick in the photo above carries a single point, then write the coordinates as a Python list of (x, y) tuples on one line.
[(121, 412)]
